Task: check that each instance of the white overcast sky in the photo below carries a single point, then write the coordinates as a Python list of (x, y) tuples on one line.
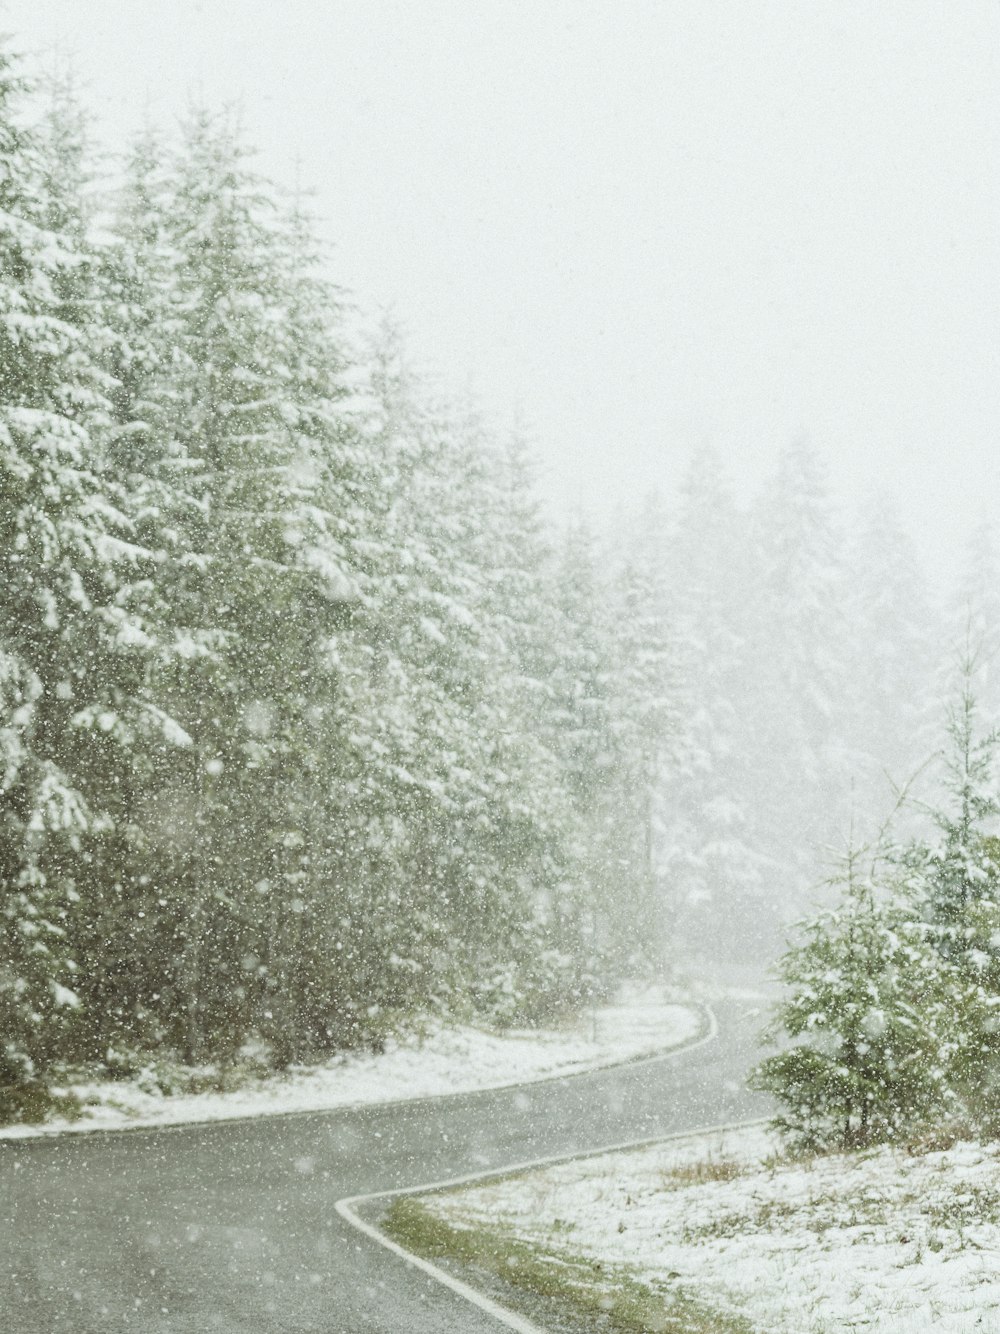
[(645, 223)]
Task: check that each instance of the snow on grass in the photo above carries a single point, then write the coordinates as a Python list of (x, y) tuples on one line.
[(890, 1240), (444, 1060)]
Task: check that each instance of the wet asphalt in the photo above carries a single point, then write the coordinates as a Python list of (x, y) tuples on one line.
[(231, 1226)]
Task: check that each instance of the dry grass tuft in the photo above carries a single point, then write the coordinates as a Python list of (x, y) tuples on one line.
[(705, 1169)]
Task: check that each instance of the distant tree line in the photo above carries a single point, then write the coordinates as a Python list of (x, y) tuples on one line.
[(812, 663), (306, 725)]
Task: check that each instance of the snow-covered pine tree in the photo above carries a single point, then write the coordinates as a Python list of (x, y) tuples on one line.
[(875, 1014), (408, 748), (957, 867), (708, 856), (892, 645), (474, 901), (108, 927), (799, 670), (211, 417), (646, 727), (298, 718), (975, 614), (953, 879), (443, 652), (531, 965), (67, 564), (582, 735)]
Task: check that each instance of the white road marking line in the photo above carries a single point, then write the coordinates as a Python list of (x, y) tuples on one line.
[(510, 1319)]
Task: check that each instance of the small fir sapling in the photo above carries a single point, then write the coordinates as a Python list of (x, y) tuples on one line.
[(871, 1009), (953, 881)]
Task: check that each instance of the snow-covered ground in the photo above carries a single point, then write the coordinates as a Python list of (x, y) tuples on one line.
[(890, 1241), (446, 1060)]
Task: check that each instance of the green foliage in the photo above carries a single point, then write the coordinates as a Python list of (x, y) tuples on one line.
[(277, 670), (876, 1016), (570, 1287), (953, 872), (894, 996), (953, 881), (69, 660)]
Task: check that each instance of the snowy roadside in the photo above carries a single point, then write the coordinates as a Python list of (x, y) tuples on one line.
[(641, 1023), (890, 1240)]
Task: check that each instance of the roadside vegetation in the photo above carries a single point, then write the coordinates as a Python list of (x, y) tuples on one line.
[(443, 1058), (608, 1297), (890, 1021), (732, 1232)]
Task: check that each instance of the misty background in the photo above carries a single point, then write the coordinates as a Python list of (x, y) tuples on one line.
[(642, 227)]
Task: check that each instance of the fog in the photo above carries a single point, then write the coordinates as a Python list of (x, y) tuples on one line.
[(640, 228)]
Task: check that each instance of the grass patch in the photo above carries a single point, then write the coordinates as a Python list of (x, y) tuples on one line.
[(610, 1298), (702, 1171), (939, 1139)]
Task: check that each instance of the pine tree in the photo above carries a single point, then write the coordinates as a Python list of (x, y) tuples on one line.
[(646, 726), (954, 880), (68, 565), (210, 431), (892, 642), (876, 1018), (894, 993), (975, 614), (957, 868), (532, 965), (303, 727), (111, 925), (710, 857), (582, 736), (798, 666)]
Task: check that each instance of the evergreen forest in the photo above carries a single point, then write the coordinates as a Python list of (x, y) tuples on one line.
[(312, 724)]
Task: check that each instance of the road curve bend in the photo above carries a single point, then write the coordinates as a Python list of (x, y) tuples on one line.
[(234, 1226)]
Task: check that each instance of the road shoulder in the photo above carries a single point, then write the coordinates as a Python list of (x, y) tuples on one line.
[(642, 1023)]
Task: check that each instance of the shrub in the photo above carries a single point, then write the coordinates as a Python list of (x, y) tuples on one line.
[(877, 1016)]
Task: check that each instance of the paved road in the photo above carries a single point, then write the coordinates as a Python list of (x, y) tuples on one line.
[(230, 1227)]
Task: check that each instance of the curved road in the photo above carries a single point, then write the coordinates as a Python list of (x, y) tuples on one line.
[(231, 1226)]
